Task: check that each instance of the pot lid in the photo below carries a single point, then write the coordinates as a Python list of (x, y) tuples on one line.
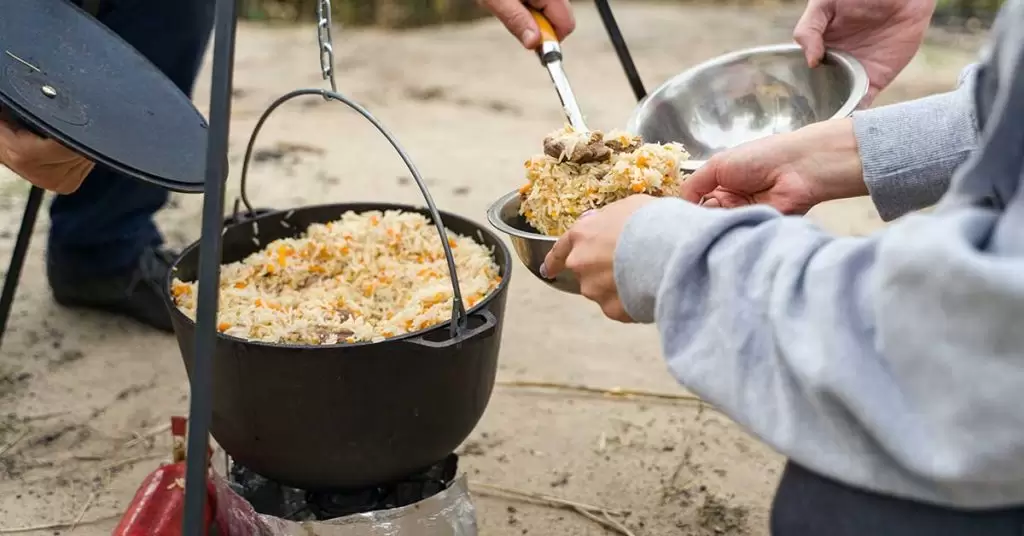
[(71, 78)]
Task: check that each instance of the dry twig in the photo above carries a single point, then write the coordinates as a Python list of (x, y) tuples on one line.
[(622, 528), (540, 497), (605, 521), (43, 416), (81, 513), (614, 392), (588, 511), (139, 438), (15, 441), (54, 526), (117, 464)]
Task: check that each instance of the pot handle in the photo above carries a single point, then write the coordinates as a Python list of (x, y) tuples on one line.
[(488, 324), (460, 321)]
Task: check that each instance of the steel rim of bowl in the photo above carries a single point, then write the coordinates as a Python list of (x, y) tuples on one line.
[(494, 218), (859, 83)]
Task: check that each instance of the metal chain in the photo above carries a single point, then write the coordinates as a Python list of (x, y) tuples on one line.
[(323, 34)]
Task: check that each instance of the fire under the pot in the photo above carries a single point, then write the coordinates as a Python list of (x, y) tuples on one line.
[(271, 498)]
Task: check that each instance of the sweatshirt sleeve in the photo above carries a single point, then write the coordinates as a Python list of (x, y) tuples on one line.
[(909, 150), (879, 361), (891, 362)]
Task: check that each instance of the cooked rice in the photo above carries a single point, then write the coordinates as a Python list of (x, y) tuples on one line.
[(365, 277), (566, 181)]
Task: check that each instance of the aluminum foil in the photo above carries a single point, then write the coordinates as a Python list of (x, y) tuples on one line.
[(448, 513)]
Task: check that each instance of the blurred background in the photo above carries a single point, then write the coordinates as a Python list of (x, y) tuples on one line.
[(80, 394), (970, 14)]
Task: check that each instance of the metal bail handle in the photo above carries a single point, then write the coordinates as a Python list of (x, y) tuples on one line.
[(460, 318)]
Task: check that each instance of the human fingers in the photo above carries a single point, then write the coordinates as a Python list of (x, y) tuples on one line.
[(66, 187), (554, 261), (517, 20), (810, 30), (614, 310), (74, 176), (873, 92), (601, 290), (10, 145), (722, 198), (710, 202), (559, 14), (516, 17), (43, 162), (702, 181)]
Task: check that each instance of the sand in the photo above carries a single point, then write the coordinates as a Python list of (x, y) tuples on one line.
[(77, 388)]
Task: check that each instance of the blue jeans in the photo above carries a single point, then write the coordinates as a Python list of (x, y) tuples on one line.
[(103, 228)]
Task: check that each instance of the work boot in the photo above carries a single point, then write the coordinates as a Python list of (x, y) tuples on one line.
[(137, 294)]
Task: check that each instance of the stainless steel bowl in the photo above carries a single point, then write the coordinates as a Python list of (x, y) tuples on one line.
[(530, 246), (746, 95), (716, 105)]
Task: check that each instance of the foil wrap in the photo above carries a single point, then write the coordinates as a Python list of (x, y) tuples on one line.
[(448, 513)]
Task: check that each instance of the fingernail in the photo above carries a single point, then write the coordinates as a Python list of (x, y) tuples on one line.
[(544, 271), (528, 36), (712, 203)]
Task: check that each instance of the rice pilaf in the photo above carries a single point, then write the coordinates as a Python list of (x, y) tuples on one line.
[(365, 277), (584, 171)]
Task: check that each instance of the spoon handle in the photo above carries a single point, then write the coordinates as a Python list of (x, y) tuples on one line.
[(550, 53), (547, 31)]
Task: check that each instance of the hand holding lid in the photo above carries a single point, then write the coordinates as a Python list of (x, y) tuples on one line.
[(41, 161), (67, 76)]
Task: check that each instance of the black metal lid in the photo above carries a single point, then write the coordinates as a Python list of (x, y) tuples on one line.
[(71, 78)]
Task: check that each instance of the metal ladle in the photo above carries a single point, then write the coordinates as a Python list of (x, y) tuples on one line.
[(550, 53)]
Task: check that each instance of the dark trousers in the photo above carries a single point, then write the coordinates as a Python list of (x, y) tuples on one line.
[(807, 504), (103, 228)]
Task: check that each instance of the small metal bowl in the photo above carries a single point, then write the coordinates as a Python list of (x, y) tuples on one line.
[(530, 246), (747, 95), (716, 105)]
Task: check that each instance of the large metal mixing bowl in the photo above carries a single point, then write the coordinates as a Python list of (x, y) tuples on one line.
[(746, 95)]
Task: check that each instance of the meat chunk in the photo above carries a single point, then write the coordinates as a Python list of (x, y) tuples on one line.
[(578, 147), (622, 142)]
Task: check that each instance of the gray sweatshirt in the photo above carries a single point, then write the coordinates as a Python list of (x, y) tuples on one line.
[(894, 362)]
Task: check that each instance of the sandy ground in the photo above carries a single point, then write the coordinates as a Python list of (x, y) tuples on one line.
[(76, 388)]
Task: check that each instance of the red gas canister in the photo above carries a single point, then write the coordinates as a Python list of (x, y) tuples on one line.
[(158, 507)]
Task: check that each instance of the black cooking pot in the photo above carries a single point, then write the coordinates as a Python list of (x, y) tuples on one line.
[(350, 415)]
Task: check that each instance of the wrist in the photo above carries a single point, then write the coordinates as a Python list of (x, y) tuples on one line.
[(832, 164)]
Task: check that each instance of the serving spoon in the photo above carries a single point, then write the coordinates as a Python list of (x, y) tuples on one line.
[(550, 53)]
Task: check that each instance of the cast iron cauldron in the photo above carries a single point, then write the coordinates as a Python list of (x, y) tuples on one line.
[(352, 415)]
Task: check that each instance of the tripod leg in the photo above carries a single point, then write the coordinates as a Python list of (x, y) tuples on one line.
[(28, 223), (621, 50)]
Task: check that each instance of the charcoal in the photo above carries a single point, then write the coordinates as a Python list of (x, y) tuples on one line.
[(271, 498)]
